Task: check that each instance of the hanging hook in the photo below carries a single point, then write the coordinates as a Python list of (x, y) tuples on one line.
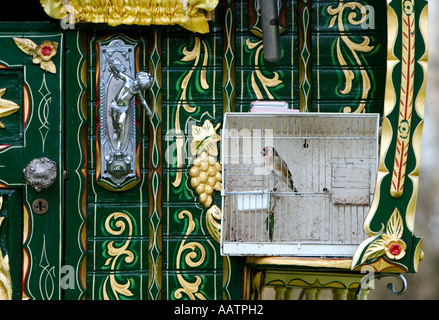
[(390, 286)]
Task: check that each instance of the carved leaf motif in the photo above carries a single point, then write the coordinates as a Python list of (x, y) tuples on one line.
[(48, 66), (26, 45), (6, 107), (394, 230), (213, 216), (376, 249), (205, 139), (395, 227)]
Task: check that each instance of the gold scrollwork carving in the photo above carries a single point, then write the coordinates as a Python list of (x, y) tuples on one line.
[(256, 73), (194, 256), (122, 224), (354, 48), (189, 55)]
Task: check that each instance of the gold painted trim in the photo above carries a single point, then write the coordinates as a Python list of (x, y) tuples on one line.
[(265, 81), (405, 100), (26, 261), (387, 131), (194, 254), (118, 253), (419, 109), (213, 222), (300, 262), (189, 55)]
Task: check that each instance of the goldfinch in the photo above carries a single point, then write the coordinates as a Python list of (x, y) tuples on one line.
[(278, 166)]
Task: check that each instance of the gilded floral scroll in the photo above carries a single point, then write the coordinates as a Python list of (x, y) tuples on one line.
[(258, 77), (117, 224), (388, 243), (354, 48), (194, 254)]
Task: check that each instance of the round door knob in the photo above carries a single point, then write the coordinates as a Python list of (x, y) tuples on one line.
[(40, 173)]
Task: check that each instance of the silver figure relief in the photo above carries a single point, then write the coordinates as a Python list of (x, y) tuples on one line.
[(120, 86)]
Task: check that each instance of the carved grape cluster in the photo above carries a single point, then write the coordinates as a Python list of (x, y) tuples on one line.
[(206, 177)]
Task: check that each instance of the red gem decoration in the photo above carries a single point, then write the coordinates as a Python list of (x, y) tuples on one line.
[(46, 50), (395, 249)]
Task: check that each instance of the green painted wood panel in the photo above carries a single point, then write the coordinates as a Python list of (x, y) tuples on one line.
[(349, 53), (117, 221), (33, 132), (76, 166), (257, 79), (192, 94)]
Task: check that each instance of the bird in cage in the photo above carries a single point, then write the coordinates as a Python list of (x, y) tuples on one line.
[(277, 165)]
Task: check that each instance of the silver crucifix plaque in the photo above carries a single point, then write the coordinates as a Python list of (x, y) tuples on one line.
[(119, 86)]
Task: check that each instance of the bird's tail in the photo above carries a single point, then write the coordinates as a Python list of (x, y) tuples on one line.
[(291, 185)]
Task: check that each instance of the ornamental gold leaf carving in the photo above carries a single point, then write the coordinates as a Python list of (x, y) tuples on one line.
[(26, 45), (6, 107), (41, 54), (205, 139), (390, 242)]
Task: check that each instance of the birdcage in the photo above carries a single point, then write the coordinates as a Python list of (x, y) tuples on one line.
[(297, 184)]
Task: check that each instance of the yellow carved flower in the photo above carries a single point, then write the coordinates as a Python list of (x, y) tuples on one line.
[(388, 243), (45, 51), (41, 54)]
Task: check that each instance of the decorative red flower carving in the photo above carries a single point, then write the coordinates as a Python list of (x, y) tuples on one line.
[(395, 249)]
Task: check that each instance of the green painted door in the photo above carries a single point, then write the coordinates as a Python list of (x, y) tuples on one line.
[(31, 107)]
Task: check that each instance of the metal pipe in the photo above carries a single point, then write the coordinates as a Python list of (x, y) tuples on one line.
[(270, 29)]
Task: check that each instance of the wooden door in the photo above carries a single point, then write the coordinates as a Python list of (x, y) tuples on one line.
[(31, 107)]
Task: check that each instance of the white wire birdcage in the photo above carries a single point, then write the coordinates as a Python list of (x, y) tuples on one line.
[(316, 205)]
